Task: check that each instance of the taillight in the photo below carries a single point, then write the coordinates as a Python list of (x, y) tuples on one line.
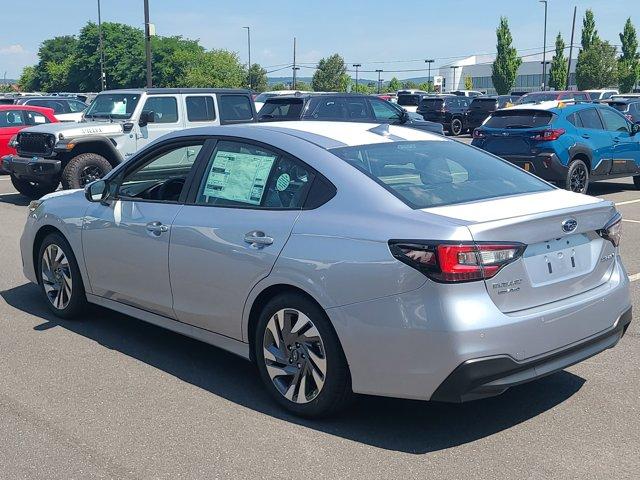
[(548, 135), (612, 230), (477, 133), (456, 262)]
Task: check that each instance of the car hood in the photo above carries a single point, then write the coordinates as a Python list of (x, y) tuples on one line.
[(82, 129)]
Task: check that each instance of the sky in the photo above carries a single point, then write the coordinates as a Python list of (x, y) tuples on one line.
[(392, 36)]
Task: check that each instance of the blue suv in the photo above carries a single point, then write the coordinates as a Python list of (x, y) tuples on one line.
[(569, 144)]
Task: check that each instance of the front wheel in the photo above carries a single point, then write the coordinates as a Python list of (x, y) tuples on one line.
[(299, 357), (577, 179), (33, 190), (456, 127), (84, 169)]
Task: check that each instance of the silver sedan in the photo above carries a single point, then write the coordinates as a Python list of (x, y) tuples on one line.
[(342, 258)]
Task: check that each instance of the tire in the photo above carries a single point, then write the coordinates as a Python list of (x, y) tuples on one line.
[(33, 190), (300, 355), (456, 127), (636, 181), (84, 169), (577, 179), (59, 277)]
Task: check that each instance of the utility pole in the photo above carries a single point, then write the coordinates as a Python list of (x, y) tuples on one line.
[(379, 72), (573, 29), (147, 41), (357, 65), (544, 48), (103, 79), (429, 62), (249, 49), (295, 68)]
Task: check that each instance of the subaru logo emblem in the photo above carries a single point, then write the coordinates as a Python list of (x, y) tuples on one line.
[(569, 225)]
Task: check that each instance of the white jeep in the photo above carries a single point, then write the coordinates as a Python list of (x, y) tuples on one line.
[(116, 125)]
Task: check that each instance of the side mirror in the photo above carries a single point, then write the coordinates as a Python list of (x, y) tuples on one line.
[(146, 116), (96, 191)]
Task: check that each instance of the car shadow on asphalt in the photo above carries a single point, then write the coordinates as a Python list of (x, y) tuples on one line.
[(597, 189), (399, 425), (14, 199)]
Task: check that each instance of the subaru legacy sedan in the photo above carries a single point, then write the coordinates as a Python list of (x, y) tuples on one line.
[(341, 258)]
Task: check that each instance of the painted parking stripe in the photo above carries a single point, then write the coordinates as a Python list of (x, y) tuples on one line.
[(633, 278), (630, 221), (628, 202)]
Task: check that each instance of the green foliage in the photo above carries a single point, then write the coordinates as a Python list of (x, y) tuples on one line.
[(28, 81), (558, 71), (394, 85), (303, 86), (171, 57), (215, 68), (331, 75), (278, 86), (366, 88), (589, 32), (257, 78), (410, 85), (505, 67), (628, 63), (56, 59), (597, 66), (5, 88), (468, 83), (426, 86)]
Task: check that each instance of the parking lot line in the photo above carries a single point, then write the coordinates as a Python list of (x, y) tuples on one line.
[(633, 278), (628, 202), (630, 221)]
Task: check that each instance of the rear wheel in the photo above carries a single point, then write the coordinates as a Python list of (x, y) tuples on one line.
[(84, 169), (577, 179), (33, 190), (456, 127), (299, 357)]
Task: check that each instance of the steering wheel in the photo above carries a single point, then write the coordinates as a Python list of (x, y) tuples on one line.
[(171, 189)]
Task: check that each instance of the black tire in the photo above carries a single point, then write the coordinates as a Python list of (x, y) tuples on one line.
[(577, 179), (33, 190), (456, 127), (636, 181), (76, 303), (84, 169), (336, 391)]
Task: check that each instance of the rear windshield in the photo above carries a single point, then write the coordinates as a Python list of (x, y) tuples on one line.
[(484, 103), (519, 119), (620, 106), (432, 104), (409, 100), (428, 174), (281, 109), (537, 97)]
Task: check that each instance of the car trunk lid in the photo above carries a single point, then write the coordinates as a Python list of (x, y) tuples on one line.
[(511, 131)]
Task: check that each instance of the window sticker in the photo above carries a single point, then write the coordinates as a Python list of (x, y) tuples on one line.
[(239, 177), (283, 182)]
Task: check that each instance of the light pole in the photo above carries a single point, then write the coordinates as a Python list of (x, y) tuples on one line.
[(147, 42), (379, 72), (295, 74), (453, 85), (249, 50), (103, 79), (429, 62), (357, 65), (544, 48)]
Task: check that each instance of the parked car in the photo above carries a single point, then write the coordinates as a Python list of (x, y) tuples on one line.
[(116, 125), (344, 107), (14, 118), (66, 109), (629, 107), (467, 93), (448, 110), (410, 99), (261, 98), (481, 107), (341, 259), (517, 93), (602, 94), (567, 95), (571, 145)]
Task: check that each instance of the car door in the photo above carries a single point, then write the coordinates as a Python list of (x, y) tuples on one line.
[(238, 217), (11, 122), (126, 240), (594, 136), (626, 149), (166, 118)]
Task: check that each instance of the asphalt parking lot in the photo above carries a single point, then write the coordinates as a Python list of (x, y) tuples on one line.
[(113, 397)]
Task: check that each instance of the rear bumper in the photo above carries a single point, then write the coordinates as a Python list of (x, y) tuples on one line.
[(36, 169), (490, 376), (545, 165)]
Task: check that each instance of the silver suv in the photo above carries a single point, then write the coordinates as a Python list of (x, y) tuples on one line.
[(116, 125)]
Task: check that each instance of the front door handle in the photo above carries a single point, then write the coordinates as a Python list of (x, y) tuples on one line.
[(257, 239), (586, 135), (157, 228)]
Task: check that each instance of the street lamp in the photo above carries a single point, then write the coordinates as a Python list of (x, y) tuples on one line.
[(295, 74), (357, 65), (544, 48), (147, 41), (379, 72), (103, 79), (429, 62), (249, 49), (453, 85)]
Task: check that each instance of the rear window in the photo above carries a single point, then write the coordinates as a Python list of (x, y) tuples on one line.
[(537, 97), (620, 106), (282, 109), (428, 174), (484, 104), (431, 104), (408, 100), (235, 108), (519, 119)]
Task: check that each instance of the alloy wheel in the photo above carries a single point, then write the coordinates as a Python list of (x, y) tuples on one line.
[(294, 355), (578, 179), (56, 276), (90, 174)]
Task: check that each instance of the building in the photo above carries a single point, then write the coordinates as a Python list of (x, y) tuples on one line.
[(478, 67)]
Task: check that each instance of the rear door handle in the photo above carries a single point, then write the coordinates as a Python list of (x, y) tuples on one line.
[(586, 135), (157, 228), (257, 239)]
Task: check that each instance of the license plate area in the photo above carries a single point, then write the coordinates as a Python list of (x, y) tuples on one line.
[(558, 259)]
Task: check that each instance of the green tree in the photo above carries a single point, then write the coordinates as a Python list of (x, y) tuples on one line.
[(394, 85), (56, 56), (278, 86), (589, 32), (28, 81), (410, 85), (505, 67), (257, 78), (558, 70), (331, 75), (426, 86), (215, 68), (170, 57), (303, 86), (468, 83), (628, 61), (597, 66)]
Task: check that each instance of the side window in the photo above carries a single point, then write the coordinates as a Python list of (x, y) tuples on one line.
[(329, 109), (589, 118), (574, 120), (235, 108), (34, 118), (165, 109), (357, 108), (200, 109), (75, 106), (614, 122), (11, 118), (244, 175), (162, 177), (383, 111)]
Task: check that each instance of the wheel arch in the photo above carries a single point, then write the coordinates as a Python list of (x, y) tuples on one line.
[(581, 153), (39, 237), (98, 145)]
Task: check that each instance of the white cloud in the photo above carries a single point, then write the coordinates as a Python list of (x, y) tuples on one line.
[(16, 49)]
